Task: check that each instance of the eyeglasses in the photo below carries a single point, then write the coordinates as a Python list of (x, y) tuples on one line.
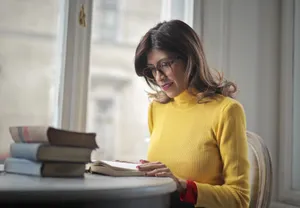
[(163, 66)]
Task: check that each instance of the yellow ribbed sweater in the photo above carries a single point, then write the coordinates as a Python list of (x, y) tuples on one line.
[(205, 143)]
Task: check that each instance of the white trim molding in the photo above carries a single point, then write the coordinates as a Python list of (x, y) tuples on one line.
[(198, 18), (296, 100), (285, 192), (165, 13), (215, 32), (224, 55), (189, 12)]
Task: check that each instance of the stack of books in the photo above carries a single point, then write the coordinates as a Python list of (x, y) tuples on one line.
[(49, 152)]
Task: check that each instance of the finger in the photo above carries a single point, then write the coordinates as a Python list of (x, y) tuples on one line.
[(156, 171), (144, 161), (150, 166), (164, 174)]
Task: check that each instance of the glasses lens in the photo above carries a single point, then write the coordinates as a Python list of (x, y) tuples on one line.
[(165, 66), (148, 72)]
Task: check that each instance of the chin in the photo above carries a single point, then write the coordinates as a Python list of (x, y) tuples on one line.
[(172, 94)]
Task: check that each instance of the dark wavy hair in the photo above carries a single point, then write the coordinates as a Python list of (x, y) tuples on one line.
[(178, 38)]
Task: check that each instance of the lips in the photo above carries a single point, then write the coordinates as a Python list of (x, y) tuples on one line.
[(166, 86)]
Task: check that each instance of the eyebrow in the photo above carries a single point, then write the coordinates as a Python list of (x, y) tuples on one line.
[(163, 59)]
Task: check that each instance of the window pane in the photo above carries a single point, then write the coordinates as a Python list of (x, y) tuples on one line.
[(29, 71), (296, 104), (118, 104)]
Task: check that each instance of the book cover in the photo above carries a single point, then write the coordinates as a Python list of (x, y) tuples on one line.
[(51, 169), (46, 152), (53, 136)]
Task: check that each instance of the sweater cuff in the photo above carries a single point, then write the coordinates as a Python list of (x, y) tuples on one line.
[(190, 194)]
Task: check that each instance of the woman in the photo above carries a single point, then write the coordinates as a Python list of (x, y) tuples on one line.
[(198, 131)]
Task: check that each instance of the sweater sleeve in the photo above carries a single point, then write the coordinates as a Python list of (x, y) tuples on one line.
[(230, 133)]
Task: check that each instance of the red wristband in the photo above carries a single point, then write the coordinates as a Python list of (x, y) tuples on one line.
[(190, 195)]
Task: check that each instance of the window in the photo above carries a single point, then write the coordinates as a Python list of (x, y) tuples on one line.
[(106, 19), (104, 123), (122, 134), (29, 64), (55, 71)]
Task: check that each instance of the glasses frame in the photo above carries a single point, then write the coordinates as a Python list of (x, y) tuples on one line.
[(157, 68)]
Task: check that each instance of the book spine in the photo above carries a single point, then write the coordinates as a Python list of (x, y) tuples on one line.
[(22, 166), (25, 151)]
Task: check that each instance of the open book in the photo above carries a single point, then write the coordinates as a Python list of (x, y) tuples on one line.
[(113, 168)]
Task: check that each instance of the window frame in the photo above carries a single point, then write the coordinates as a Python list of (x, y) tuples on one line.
[(290, 24), (74, 63)]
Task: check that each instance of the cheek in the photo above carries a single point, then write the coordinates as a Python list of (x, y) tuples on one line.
[(178, 75)]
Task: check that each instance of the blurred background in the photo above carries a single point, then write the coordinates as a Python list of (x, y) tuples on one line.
[(30, 52), (255, 43)]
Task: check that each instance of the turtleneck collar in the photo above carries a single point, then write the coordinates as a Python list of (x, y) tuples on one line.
[(185, 100)]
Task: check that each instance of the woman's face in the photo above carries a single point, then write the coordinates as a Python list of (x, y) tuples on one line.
[(168, 72)]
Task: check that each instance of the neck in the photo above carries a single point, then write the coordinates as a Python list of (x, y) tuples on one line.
[(185, 100)]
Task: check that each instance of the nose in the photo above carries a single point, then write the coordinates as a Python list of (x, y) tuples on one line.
[(159, 76)]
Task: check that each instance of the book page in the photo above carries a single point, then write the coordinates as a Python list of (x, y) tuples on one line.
[(130, 166), (29, 134)]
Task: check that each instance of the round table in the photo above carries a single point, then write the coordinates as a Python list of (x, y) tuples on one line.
[(90, 191)]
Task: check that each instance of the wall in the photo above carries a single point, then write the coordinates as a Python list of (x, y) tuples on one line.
[(296, 94), (241, 38)]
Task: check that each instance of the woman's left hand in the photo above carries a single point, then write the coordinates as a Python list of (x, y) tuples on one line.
[(154, 169), (159, 169)]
